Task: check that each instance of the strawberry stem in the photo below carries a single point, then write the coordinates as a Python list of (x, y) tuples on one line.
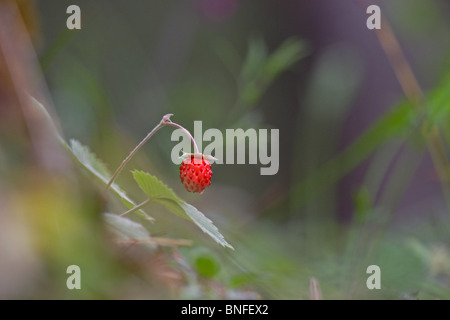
[(176, 125), (139, 206), (165, 121)]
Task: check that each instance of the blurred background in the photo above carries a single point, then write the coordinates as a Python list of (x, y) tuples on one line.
[(364, 167)]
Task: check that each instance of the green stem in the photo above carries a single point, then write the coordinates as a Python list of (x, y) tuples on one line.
[(139, 206), (413, 92), (55, 48)]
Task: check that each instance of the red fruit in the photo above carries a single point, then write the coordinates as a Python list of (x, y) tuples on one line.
[(195, 173)]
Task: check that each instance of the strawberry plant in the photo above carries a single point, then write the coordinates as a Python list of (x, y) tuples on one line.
[(155, 190), (132, 222)]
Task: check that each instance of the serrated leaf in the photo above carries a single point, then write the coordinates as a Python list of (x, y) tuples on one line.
[(90, 160), (205, 224), (160, 193), (174, 207), (95, 166), (154, 188)]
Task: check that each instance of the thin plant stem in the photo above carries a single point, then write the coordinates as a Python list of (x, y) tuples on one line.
[(176, 125), (139, 206), (414, 94), (165, 121), (132, 153)]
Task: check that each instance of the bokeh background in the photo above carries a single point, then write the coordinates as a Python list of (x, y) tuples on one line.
[(357, 184)]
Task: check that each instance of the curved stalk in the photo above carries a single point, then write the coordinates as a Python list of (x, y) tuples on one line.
[(165, 121)]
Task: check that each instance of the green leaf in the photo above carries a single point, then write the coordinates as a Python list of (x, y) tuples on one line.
[(438, 107), (288, 53), (205, 224), (88, 160), (363, 203), (50, 121), (158, 192), (255, 60), (154, 188), (96, 167), (438, 102), (206, 264), (251, 93), (260, 70)]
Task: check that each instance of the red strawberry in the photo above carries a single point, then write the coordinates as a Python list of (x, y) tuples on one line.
[(195, 173)]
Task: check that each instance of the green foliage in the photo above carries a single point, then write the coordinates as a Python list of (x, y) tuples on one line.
[(363, 203), (205, 263), (152, 187), (260, 69), (438, 103), (394, 124), (90, 161), (256, 57), (96, 167), (160, 193), (288, 53), (206, 266)]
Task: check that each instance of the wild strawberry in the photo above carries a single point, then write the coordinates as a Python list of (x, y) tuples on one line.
[(195, 172)]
